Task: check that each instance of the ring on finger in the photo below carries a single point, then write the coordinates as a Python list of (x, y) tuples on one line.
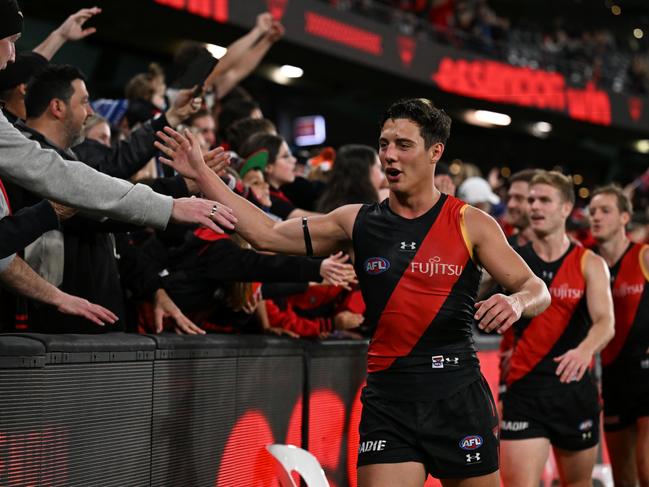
[(215, 208)]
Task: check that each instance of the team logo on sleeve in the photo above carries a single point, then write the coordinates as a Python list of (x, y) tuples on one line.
[(376, 265)]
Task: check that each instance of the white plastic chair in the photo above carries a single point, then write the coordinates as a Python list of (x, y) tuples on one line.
[(293, 459)]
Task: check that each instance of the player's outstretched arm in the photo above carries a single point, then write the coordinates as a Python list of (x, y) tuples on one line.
[(574, 363), (528, 294), (329, 233)]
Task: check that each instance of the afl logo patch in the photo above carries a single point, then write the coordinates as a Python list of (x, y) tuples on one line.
[(471, 442), (376, 265)]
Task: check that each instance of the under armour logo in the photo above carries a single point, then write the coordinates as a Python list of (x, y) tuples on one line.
[(452, 360), (408, 246), (472, 458), (548, 275)]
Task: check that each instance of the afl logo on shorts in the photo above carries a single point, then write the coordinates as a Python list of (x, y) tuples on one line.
[(376, 265), (471, 442)]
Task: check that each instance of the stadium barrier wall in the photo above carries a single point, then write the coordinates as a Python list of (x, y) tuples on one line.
[(168, 410)]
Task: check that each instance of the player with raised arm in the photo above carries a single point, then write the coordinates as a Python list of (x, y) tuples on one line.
[(418, 257)]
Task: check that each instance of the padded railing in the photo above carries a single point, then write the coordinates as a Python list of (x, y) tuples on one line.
[(167, 410)]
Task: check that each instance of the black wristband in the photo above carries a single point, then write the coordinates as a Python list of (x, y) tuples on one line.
[(307, 237)]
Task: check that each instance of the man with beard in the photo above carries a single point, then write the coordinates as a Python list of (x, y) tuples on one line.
[(47, 174), (80, 259), (625, 360)]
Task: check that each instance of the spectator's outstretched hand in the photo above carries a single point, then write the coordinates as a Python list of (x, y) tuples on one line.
[(164, 307), (276, 31), (204, 212), (182, 152), (217, 159), (336, 272), (250, 306), (73, 305), (72, 29), (183, 107), (264, 22)]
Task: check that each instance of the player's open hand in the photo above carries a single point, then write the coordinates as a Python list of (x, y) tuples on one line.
[(498, 313), (573, 364)]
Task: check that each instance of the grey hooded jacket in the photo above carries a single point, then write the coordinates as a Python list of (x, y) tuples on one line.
[(76, 184)]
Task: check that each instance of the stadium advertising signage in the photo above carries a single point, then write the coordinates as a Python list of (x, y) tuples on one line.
[(318, 25)]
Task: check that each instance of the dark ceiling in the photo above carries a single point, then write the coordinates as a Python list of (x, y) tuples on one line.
[(352, 97)]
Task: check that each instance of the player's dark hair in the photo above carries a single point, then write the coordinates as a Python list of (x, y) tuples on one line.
[(434, 123)]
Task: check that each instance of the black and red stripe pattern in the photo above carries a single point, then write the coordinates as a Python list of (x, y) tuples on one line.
[(631, 303), (561, 327), (419, 282)]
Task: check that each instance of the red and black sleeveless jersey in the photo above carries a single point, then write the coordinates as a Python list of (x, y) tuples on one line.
[(419, 283), (630, 345), (561, 327)]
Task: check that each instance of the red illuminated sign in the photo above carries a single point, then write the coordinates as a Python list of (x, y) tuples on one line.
[(277, 8), (502, 83), (342, 33), (407, 47), (211, 9), (635, 108)]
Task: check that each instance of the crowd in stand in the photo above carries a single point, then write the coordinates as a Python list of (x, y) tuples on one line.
[(186, 277), (582, 54)]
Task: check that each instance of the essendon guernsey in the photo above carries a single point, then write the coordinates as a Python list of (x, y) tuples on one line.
[(630, 345), (419, 282), (561, 327)]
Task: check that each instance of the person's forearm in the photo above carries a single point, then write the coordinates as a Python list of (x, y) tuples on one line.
[(253, 224), (601, 332), (51, 45), (21, 279), (73, 183), (235, 52), (128, 157), (246, 64), (533, 297), (17, 231)]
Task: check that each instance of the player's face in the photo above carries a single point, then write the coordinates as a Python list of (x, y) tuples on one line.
[(518, 208), (407, 164), (548, 210), (606, 219)]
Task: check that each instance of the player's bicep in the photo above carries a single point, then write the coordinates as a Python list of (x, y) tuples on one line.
[(493, 252), (331, 232)]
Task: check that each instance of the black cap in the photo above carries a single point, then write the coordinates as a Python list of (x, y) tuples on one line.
[(27, 65), (12, 19)]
